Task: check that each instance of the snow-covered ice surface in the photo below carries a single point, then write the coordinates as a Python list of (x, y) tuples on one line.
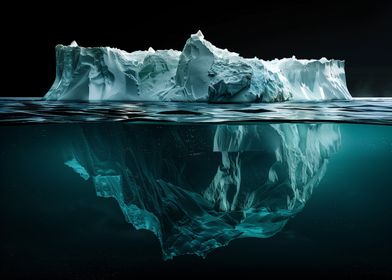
[(201, 72)]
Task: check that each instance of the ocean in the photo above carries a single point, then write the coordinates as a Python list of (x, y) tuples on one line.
[(273, 190)]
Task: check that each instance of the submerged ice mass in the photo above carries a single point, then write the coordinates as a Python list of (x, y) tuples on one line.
[(201, 72), (199, 187)]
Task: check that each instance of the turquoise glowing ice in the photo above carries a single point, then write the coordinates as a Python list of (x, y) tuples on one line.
[(199, 187), (201, 72), (75, 165)]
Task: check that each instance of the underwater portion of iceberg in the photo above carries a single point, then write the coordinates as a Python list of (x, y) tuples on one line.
[(201, 72), (199, 187)]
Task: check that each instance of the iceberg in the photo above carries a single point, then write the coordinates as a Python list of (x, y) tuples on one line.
[(201, 72), (199, 187)]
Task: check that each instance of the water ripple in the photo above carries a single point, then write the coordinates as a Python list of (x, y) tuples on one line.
[(33, 110)]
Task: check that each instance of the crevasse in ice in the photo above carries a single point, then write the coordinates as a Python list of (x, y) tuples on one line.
[(201, 72), (199, 187)]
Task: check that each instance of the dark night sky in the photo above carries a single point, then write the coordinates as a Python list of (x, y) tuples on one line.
[(359, 33)]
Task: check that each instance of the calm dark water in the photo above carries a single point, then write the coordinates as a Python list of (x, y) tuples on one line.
[(36, 110), (55, 226)]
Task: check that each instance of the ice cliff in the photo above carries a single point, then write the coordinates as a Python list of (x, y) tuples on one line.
[(201, 72), (199, 187)]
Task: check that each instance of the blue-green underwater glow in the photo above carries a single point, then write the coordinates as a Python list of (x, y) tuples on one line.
[(199, 187), (315, 195)]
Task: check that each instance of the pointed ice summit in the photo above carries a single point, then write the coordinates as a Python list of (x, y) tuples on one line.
[(201, 72)]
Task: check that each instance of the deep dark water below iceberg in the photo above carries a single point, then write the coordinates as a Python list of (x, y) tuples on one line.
[(54, 224)]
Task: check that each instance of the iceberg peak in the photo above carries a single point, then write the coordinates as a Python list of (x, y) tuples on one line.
[(199, 34), (200, 72), (73, 44)]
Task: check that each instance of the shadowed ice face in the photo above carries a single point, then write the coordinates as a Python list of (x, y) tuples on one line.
[(199, 187)]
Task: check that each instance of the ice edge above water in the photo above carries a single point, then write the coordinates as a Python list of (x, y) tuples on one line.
[(202, 72)]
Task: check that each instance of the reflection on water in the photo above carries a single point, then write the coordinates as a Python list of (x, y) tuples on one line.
[(197, 187), (32, 111)]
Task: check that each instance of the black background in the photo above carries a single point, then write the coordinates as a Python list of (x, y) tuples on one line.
[(358, 32)]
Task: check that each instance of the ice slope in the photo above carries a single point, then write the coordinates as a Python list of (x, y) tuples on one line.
[(201, 72)]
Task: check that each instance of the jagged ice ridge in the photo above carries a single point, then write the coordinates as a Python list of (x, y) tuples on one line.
[(201, 72)]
